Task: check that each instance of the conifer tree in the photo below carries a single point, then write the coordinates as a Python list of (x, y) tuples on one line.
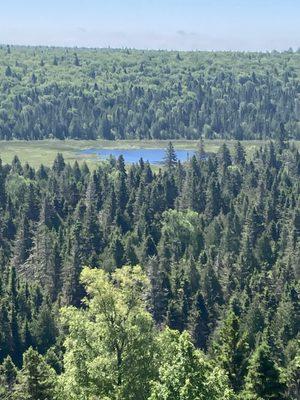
[(170, 159), (224, 157), (41, 263), (73, 261), (36, 380), (198, 322), (8, 374), (263, 380), (231, 350), (2, 187), (59, 164), (213, 198), (200, 149), (23, 243), (159, 292), (239, 154)]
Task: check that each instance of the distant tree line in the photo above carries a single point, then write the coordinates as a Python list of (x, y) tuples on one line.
[(127, 94)]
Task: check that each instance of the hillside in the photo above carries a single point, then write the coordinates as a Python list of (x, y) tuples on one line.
[(129, 94), (217, 242)]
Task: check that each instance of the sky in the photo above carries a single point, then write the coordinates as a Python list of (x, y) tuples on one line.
[(253, 25)]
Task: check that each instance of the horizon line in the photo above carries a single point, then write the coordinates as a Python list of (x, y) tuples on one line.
[(290, 49)]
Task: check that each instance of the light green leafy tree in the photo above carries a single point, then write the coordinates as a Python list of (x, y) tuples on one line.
[(110, 345), (186, 374)]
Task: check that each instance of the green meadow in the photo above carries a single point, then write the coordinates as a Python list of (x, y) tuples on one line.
[(44, 151)]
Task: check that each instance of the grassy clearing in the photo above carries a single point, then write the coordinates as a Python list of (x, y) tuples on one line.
[(45, 151)]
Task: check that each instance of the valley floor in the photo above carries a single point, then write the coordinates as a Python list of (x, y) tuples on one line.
[(45, 151)]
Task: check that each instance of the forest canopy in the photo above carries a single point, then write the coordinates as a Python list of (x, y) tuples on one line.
[(129, 94), (193, 290)]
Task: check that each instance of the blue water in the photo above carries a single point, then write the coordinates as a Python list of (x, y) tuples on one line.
[(154, 156)]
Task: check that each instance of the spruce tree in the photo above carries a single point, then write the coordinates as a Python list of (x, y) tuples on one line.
[(263, 380), (170, 159), (36, 380), (198, 322), (231, 349), (239, 154), (8, 374), (2, 187)]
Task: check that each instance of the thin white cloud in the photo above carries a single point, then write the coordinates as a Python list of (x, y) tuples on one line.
[(178, 40)]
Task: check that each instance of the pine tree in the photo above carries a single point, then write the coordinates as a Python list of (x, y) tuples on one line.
[(36, 380), (59, 164), (293, 376), (76, 60), (200, 149), (263, 380), (239, 154), (72, 291), (23, 243), (40, 266), (5, 334), (15, 336), (2, 187), (105, 129), (198, 322), (17, 166), (92, 234), (148, 248), (44, 329), (8, 374), (231, 349), (120, 186), (170, 159), (213, 198), (32, 207), (224, 157), (8, 71), (212, 292), (117, 252)]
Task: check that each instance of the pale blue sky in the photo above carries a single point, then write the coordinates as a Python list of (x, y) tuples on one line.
[(158, 24)]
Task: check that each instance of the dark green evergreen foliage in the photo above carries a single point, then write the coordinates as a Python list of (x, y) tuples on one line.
[(170, 159), (263, 380), (218, 239), (198, 324), (160, 289), (8, 374), (130, 94), (2, 186), (8, 71), (293, 376), (213, 198), (230, 348), (36, 380), (224, 157), (239, 154)]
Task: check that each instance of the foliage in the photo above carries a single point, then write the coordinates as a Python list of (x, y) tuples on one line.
[(129, 94), (217, 239), (185, 374), (110, 344)]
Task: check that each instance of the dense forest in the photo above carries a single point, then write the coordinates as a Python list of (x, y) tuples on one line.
[(129, 94), (191, 284)]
